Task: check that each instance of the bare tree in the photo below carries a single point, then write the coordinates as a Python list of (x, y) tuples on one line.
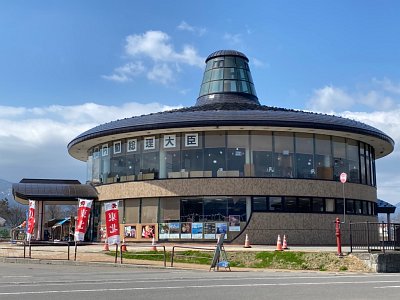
[(14, 215), (54, 212), (17, 215)]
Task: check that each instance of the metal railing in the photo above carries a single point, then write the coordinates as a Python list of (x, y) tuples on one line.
[(173, 254), (374, 236), (31, 244)]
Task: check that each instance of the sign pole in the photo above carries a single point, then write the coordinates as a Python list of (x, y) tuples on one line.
[(344, 206), (343, 179)]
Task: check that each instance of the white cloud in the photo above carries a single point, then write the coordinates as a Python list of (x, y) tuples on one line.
[(388, 85), (126, 72), (155, 45), (258, 63), (329, 99), (161, 73), (156, 49), (233, 39), (36, 147), (196, 30)]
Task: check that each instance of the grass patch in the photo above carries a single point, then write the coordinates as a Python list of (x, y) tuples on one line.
[(289, 260), (195, 257)]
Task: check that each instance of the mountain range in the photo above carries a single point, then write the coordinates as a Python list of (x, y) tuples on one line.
[(6, 192)]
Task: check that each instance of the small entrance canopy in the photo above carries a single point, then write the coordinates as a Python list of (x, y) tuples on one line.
[(384, 207), (51, 190)]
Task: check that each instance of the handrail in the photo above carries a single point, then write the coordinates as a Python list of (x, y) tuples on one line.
[(186, 247), (29, 244)]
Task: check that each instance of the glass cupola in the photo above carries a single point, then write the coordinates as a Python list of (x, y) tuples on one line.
[(227, 78)]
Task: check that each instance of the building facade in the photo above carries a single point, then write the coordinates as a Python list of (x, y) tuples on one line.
[(229, 164)]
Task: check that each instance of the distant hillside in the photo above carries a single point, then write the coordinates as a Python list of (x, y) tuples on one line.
[(6, 192)]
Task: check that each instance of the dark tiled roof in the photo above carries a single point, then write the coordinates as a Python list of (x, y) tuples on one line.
[(230, 114), (226, 53), (385, 207), (52, 189)]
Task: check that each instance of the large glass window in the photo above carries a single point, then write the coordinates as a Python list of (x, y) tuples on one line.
[(238, 146), (262, 155), (368, 164), (290, 204), (132, 210), (353, 160), (232, 154), (260, 203), (318, 205), (149, 210), (305, 155), (237, 207), (151, 156), (192, 210), (284, 148), (215, 209), (132, 166), (275, 203), (323, 157), (214, 153), (304, 204), (169, 210), (340, 164)]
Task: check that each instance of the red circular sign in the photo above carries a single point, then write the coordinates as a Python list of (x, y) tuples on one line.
[(343, 177)]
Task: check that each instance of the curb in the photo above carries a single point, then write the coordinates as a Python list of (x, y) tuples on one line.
[(16, 260)]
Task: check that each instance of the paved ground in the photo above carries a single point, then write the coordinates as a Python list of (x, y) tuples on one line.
[(44, 281)]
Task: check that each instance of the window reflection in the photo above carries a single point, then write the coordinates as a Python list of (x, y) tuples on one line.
[(233, 154)]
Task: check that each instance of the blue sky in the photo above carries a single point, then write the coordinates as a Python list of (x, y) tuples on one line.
[(66, 66)]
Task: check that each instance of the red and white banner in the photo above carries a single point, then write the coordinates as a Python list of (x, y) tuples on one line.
[(82, 219), (112, 222), (31, 220)]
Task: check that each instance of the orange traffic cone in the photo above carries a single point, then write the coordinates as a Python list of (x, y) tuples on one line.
[(106, 248), (278, 244), (153, 244), (284, 246), (123, 246), (247, 242)]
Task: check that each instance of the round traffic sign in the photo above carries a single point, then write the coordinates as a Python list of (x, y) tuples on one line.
[(343, 177)]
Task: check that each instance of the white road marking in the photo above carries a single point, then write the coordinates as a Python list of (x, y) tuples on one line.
[(195, 286)]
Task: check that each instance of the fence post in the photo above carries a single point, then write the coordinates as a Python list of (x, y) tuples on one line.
[(383, 236), (351, 238), (367, 224)]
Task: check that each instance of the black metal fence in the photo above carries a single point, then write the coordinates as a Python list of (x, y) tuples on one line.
[(374, 236)]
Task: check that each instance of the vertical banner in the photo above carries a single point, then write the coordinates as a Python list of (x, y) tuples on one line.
[(82, 219), (31, 220), (112, 222)]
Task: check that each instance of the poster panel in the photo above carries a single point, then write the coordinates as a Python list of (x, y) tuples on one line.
[(163, 231), (82, 221), (112, 222), (186, 230), (234, 223), (222, 228), (209, 230), (197, 230), (174, 230), (148, 231), (130, 231)]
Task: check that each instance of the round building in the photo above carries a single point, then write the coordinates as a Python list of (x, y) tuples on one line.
[(229, 164)]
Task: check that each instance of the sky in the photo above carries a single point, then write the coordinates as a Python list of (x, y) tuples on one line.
[(67, 66)]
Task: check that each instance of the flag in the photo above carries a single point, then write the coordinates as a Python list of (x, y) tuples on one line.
[(31, 220), (112, 222), (82, 218)]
